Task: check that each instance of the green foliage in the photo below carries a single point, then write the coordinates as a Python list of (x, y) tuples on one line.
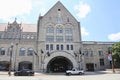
[(116, 49), (116, 54)]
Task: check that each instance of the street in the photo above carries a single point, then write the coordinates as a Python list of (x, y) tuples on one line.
[(62, 76)]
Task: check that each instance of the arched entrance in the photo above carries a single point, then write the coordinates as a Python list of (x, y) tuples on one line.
[(4, 65), (25, 65), (59, 64)]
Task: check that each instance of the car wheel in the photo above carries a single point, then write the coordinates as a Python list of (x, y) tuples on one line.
[(69, 74), (80, 73)]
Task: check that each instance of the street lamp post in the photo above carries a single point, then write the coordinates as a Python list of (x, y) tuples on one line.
[(10, 63), (80, 58), (15, 55)]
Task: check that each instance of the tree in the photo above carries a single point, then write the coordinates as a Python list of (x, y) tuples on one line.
[(116, 54)]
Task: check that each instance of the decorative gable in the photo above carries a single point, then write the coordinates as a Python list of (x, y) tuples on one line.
[(59, 14)]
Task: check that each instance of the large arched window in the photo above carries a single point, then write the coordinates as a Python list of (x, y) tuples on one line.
[(68, 31), (50, 38), (59, 30), (50, 30), (2, 51), (22, 52), (30, 51), (68, 38)]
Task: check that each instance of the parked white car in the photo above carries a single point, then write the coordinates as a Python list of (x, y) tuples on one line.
[(74, 72)]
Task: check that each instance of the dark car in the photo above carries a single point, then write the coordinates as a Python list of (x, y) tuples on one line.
[(3, 68), (24, 72)]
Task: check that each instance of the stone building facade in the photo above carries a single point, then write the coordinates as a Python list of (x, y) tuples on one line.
[(53, 44)]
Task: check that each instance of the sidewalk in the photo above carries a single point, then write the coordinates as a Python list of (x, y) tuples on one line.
[(108, 71), (12, 73), (5, 73)]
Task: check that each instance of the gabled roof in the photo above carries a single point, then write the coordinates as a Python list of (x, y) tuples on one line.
[(57, 6)]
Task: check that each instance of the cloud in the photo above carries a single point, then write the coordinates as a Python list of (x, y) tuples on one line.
[(83, 9), (13, 8), (38, 2), (84, 32), (114, 37)]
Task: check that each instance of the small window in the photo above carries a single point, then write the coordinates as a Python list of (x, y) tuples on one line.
[(22, 52), (32, 36), (58, 9), (2, 51), (28, 36), (71, 47), (57, 47), (62, 47), (30, 52), (23, 36), (101, 62), (100, 53), (47, 47), (51, 46), (67, 47)]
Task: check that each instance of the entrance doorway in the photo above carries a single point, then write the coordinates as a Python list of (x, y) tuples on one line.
[(59, 64), (90, 66), (25, 65)]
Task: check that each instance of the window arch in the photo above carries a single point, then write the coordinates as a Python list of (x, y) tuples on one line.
[(2, 51), (22, 52), (30, 51)]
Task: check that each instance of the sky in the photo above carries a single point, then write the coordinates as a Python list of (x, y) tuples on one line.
[(99, 19)]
